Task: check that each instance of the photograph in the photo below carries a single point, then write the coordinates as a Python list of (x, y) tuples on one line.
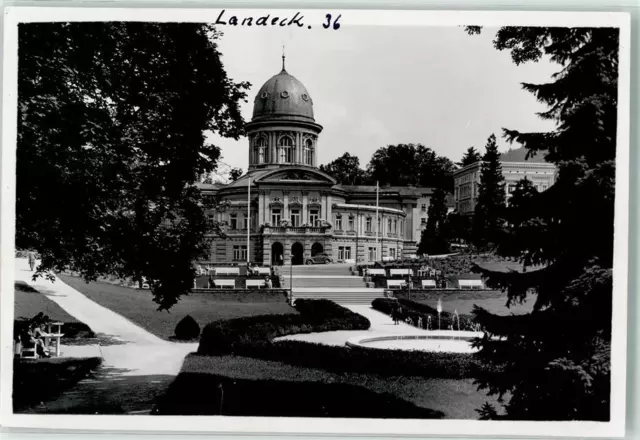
[(415, 221)]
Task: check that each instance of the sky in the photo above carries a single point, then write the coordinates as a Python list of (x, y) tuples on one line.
[(374, 86)]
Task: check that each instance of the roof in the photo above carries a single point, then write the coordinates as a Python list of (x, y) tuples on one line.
[(520, 154), (283, 96), (402, 190), (208, 186)]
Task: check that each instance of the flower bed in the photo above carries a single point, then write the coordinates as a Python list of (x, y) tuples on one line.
[(221, 337)]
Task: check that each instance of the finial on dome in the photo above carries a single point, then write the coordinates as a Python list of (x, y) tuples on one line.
[(283, 69)]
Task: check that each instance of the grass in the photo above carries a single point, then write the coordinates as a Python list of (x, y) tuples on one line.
[(28, 302), (138, 306), (415, 396)]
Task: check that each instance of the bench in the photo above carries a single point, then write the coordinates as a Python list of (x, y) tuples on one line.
[(262, 270), (372, 272), (401, 272), (256, 283), (471, 284), (225, 283), (227, 271), (429, 283), (396, 284)]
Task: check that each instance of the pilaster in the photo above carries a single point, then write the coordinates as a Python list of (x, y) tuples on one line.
[(285, 214), (305, 200)]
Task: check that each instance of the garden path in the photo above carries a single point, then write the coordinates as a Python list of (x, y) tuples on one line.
[(140, 353)]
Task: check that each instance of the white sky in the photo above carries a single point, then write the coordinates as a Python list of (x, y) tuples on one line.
[(374, 86)]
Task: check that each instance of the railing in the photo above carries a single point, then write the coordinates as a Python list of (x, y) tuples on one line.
[(295, 230)]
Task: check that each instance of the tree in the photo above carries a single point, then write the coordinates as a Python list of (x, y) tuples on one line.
[(410, 164), (470, 157), (346, 170), (235, 174), (433, 239), (555, 361), (490, 205), (111, 140)]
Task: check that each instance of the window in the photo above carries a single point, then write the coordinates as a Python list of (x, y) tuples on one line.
[(424, 207), (392, 253), (389, 226), (512, 188), (211, 217), (368, 229), (344, 252), (395, 226), (339, 222), (544, 187), (308, 152), (240, 253), (234, 221), (286, 150), (295, 217), (276, 216), (245, 223), (261, 147), (314, 216), (423, 220), (372, 254), (351, 223)]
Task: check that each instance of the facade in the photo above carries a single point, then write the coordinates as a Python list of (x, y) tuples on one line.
[(515, 167), (296, 210)]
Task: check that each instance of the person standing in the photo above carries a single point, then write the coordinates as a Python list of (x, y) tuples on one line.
[(31, 258)]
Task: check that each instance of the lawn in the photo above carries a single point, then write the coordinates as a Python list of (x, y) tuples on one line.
[(138, 306), (422, 397), (28, 302)]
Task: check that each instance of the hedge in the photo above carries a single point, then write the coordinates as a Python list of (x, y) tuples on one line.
[(227, 336), (39, 380), (342, 359), (209, 394)]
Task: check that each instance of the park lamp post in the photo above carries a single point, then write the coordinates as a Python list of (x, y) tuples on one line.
[(291, 281), (439, 311)]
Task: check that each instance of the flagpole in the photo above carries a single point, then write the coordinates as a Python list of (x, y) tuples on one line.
[(377, 218), (248, 218)]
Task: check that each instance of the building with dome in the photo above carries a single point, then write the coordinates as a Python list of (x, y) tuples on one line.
[(284, 209)]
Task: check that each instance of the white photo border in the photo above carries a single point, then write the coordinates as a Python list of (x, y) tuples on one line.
[(340, 426)]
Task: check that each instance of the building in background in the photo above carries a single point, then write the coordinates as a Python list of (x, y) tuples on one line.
[(296, 210), (515, 167)]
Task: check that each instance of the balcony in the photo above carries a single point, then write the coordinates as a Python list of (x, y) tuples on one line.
[(269, 230)]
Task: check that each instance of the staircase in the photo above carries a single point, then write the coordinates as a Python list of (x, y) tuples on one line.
[(328, 281)]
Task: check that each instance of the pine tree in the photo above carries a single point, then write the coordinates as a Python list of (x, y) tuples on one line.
[(433, 240), (470, 157), (555, 361), (489, 210)]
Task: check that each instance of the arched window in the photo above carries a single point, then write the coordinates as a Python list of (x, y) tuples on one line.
[(286, 150), (308, 152), (261, 150)]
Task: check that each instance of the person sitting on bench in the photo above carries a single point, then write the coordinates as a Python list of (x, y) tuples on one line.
[(36, 334)]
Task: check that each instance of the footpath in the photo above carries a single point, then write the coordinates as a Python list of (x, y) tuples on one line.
[(133, 372)]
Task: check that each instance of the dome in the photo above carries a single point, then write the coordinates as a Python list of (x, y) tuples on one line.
[(283, 97)]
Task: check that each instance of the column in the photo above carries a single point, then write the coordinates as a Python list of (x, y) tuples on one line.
[(273, 158), (329, 207), (261, 207), (285, 213), (298, 138), (305, 213)]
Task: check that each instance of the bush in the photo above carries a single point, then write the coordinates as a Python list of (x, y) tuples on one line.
[(221, 337), (187, 329), (415, 310)]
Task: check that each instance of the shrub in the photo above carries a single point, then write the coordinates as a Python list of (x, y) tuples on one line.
[(220, 337), (187, 329), (415, 310)]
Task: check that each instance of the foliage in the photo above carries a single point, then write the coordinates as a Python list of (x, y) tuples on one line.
[(555, 361), (458, 227), (187, 329), (411, 164), (415, 310), (433, 239), (470, 157), (235, 174), (221, 337), (522, 207), (111, 139), (491, 200), (346, 170)]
